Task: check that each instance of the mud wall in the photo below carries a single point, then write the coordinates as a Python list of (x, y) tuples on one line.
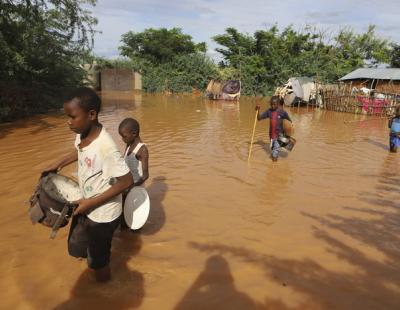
[(120, 79)]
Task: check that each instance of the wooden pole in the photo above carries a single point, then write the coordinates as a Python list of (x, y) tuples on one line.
[(252, 136)]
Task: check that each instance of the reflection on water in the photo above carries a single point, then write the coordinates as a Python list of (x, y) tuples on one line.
[(317, 230)]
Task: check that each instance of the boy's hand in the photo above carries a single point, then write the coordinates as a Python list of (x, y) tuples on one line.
[(258, 107), (66, 160), (83, 206), (46, 171)]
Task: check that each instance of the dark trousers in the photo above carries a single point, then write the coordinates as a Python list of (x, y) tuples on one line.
[(91, 240)]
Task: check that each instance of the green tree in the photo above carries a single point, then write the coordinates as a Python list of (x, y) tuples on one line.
[(358, 50), (269, 57), (235, 46), (183, 74), (395, 56), (168, 59), (118, 63), (158, 46), (43, 44)]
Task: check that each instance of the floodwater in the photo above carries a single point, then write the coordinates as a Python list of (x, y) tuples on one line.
[(319, 229)]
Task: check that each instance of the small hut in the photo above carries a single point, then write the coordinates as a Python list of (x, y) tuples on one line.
[(372, 91), (382, 80)]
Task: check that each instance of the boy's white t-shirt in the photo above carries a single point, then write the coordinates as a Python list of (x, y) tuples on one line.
[(98, 164)]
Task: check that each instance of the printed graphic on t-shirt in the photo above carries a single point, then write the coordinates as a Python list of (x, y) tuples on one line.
[(90, 162)]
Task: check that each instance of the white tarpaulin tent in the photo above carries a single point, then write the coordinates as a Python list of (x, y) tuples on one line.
[(297, 89)]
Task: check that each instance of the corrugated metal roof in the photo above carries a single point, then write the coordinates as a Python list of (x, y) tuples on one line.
[(373, 73)]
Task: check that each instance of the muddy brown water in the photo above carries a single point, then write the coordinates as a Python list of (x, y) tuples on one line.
[(319, 229)]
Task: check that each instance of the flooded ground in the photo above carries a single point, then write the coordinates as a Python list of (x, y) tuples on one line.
[(319, 229)]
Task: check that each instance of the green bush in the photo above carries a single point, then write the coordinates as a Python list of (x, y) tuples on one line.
[(43, 44), (269, 57), (182, 74)]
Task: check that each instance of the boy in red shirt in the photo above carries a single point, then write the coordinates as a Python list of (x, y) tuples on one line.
[(276, 117)]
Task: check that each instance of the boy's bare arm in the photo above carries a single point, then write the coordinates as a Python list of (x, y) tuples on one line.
[(259, 118), (123, 182), (143, 156), (66, 160), (258, 111), (258, 115)]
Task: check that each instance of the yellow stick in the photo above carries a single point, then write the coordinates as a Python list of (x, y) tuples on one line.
[(252, 136)]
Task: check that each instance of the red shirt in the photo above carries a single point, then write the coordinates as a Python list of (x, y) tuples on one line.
[(274, 124), (276, 121)]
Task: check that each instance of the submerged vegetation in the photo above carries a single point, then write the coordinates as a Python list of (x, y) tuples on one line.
[(45, 42)]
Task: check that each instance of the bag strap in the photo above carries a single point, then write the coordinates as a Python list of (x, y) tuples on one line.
[(61, 217)]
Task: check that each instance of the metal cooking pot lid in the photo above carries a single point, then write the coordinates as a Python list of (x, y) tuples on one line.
[(136, 207)]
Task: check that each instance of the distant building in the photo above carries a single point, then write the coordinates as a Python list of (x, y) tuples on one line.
[(386, 80), (120, 79)]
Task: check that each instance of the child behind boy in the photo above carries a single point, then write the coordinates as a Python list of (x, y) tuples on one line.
[(136, 153), (102, 174), (276, 116), (394, 125)]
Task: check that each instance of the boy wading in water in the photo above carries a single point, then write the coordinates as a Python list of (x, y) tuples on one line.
[(394, 125), (136, 154), (276, 116), (102, 174)]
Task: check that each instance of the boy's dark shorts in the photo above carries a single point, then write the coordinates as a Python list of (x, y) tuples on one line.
[(91, 240)]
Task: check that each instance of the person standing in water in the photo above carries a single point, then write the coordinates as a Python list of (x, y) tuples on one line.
[(102, 174), (136, 155), (276, 116), (394, 125)]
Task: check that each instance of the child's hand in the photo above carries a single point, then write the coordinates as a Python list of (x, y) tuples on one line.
[(84, 205), (50, 169), (258, 107)]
